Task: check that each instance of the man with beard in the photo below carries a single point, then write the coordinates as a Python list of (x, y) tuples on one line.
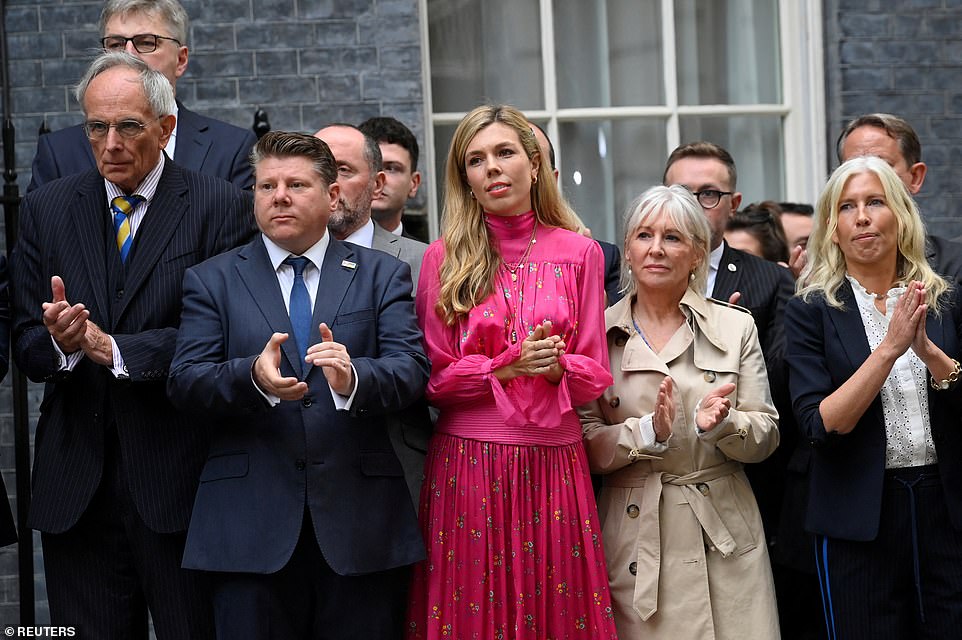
[(360, 179)]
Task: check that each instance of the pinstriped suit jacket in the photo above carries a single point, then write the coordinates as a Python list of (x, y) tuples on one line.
[(64, 231), (766, 289)]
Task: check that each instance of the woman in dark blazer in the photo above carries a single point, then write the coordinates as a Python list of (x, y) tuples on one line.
[(873, 352)]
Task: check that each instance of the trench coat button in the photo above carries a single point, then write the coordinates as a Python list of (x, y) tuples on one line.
[(621, 341), (701, 486), (633, 511), (307, 402), (709, 376), (633, 568), (614, 402), (299, 465), (742, 432)]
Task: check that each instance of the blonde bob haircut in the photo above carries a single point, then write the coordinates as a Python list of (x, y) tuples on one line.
[(685, 214), (825, 271), (470, 258)]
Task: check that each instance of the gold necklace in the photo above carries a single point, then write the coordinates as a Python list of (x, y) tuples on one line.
[(514, 310), (513, 269)]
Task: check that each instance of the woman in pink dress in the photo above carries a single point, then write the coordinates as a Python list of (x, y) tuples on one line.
[(511, 303)]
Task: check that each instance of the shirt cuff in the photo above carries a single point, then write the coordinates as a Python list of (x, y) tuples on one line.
[(340, 402), (119, 368), (646, 429), (272, 400), (67, 363)]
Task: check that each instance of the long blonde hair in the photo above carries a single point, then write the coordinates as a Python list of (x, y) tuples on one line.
[(470, 259), (825, 271)]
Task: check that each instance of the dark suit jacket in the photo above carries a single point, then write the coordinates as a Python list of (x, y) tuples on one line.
[(266, 463), (945, 257), (612, 271), (204, 144), (66, 231), (766, 288), (825, 346)]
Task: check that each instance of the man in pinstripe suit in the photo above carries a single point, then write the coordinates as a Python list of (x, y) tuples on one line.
[(96, 311)]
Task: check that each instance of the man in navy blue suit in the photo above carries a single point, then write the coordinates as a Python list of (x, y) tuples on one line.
[(156, 32), (294, 348), (97, 276)]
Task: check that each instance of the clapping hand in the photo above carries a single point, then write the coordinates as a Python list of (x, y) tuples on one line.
[(714, 407), (664, 414), (66, 323), (335, 361), (267, 372)]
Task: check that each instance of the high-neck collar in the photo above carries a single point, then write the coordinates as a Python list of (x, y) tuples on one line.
[(511, 234)]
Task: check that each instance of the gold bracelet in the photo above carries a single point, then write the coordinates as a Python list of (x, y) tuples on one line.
[(945, 384)]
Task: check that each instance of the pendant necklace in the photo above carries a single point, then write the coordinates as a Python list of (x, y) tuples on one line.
[(514, 311)]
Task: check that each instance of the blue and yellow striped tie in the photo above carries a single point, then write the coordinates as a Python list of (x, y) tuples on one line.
[(122, 206)]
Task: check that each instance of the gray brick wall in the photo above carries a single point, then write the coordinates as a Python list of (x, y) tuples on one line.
[(305, 62), (903, 58)]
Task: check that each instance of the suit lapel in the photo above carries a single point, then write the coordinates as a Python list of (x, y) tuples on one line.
[(729, 274), (340, 266), (257, 273), (386, 241), (164, 216), (193, 143), (89, 220), (849, 327)]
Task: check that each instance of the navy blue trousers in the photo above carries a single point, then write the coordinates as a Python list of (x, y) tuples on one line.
[(307, 600)]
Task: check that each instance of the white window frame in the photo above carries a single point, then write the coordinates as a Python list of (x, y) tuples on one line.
[(802, 108)]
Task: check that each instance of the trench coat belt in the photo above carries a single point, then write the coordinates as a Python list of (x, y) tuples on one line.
[(648, 544)]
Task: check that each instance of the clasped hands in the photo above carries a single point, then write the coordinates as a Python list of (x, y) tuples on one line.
[(70, 326), (907, 324), (540, 356), (331, 356), (712, 409)]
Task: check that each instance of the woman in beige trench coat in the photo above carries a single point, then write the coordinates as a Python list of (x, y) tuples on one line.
[(690, 403)]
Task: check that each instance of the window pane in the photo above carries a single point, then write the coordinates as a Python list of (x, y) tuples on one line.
[(442, 140), (485, 52), (606, 164), (755, 143), (727, 52), (609, 54)]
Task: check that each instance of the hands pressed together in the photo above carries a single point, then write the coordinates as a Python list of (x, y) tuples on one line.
[(907, 323), (540, 356)]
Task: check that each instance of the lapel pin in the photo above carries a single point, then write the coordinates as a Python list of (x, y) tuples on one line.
[(732, 267), (348, 264)]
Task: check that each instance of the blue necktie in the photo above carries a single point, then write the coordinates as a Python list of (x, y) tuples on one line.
[(122, 207), (300, 304)]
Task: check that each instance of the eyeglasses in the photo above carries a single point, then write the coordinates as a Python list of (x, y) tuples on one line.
[(709, 198), (97, 130), (143, 42)]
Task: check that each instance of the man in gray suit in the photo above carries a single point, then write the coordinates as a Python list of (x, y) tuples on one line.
[(360, 179)]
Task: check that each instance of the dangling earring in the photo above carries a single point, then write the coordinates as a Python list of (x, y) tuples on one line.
[(534, 179), (472, 195), (691, 276)]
